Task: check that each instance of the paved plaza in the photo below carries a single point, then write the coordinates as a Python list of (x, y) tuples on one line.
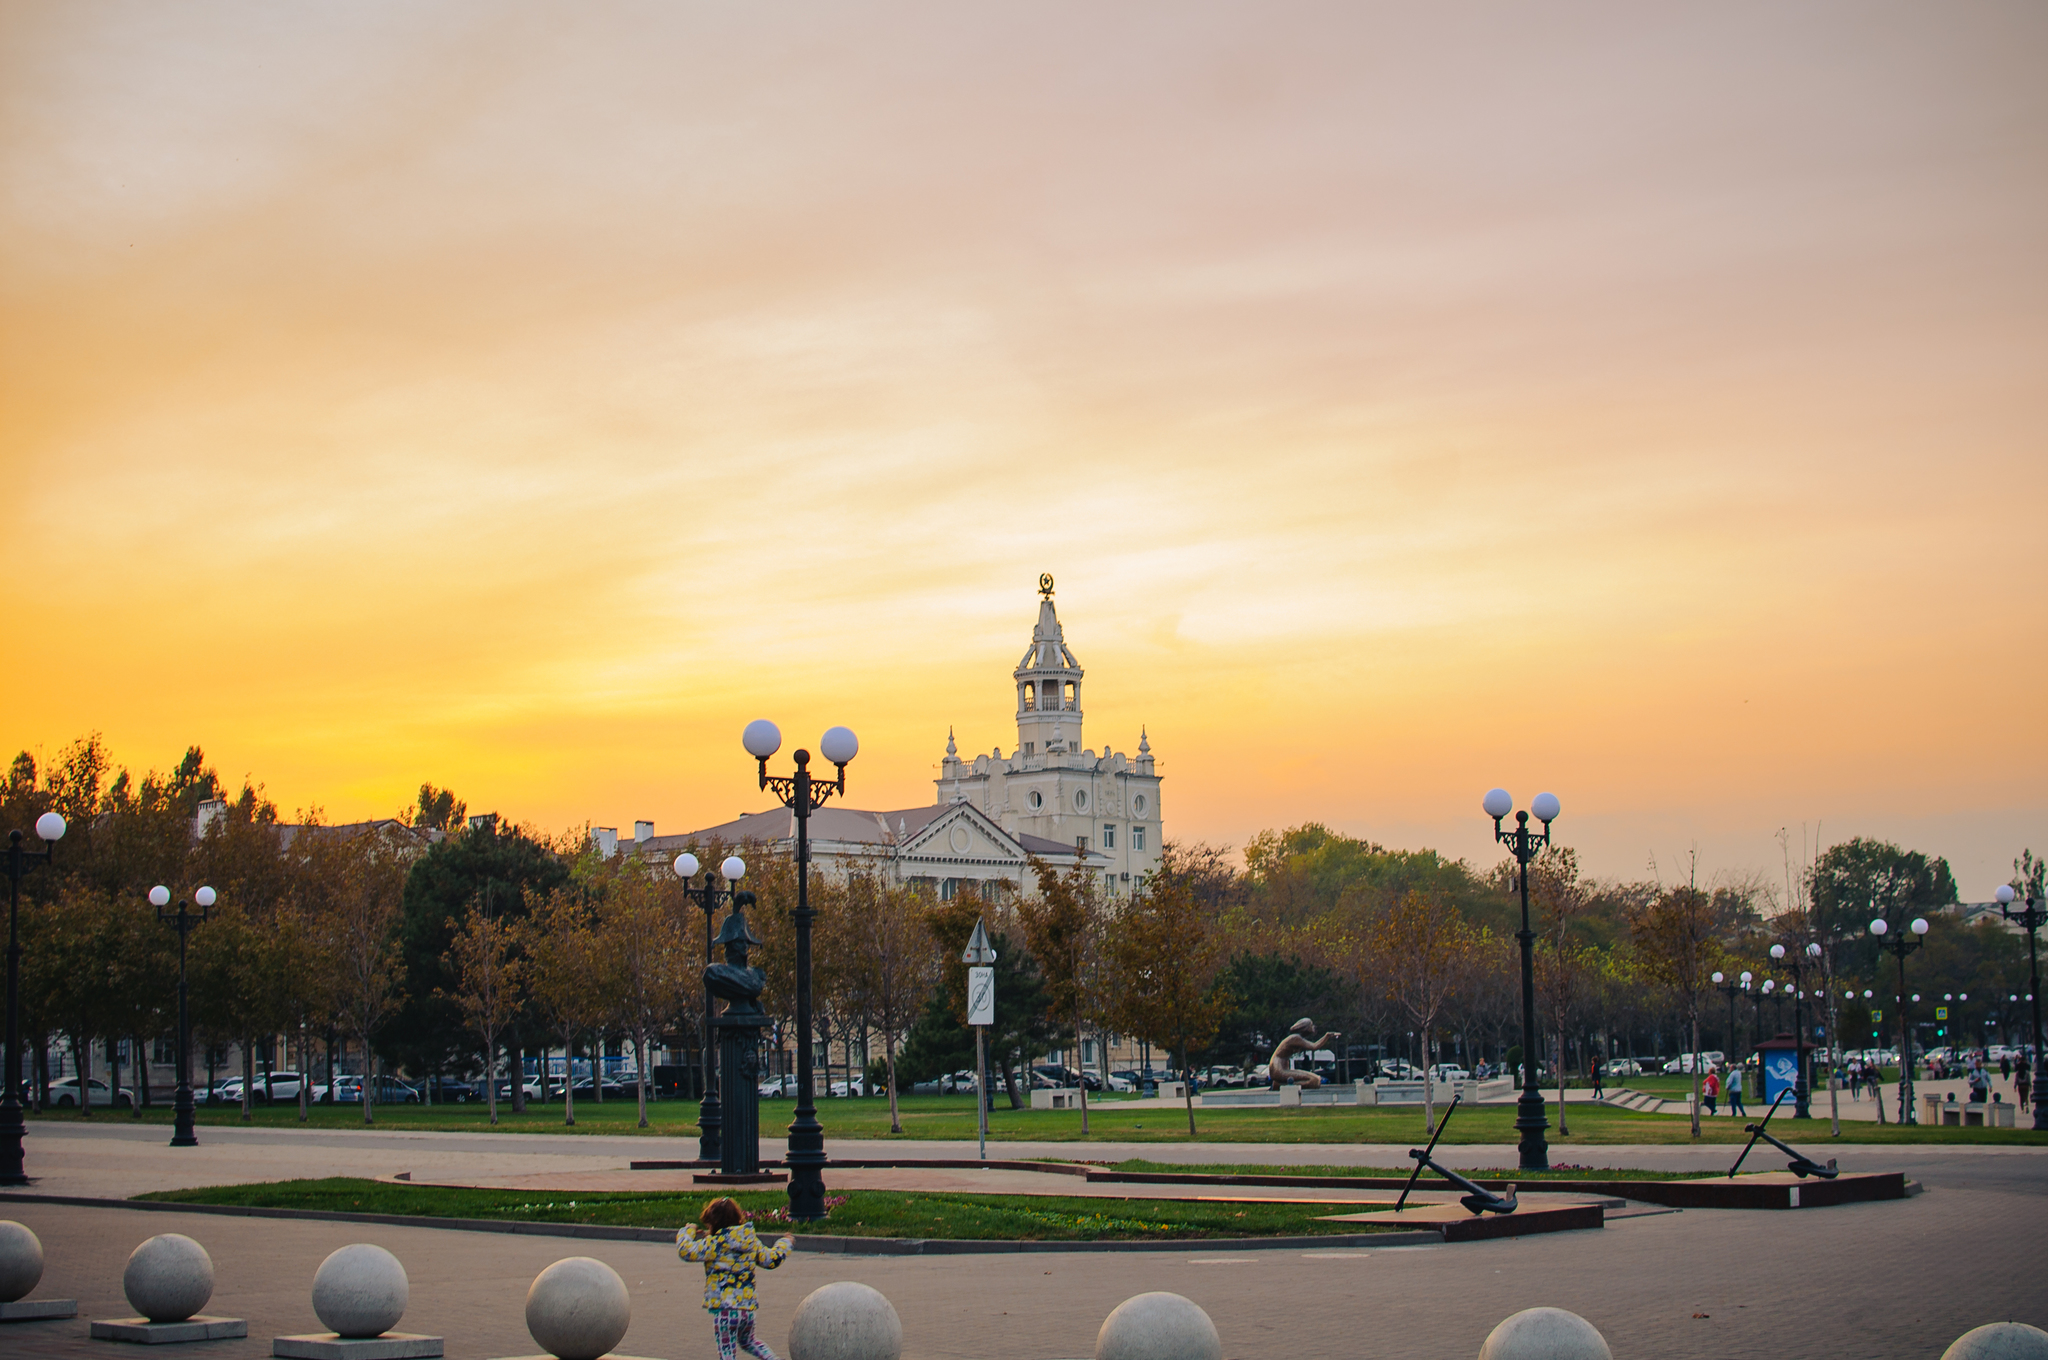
[(1889, 1279)]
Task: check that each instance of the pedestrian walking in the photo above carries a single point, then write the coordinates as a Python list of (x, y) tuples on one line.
[(1599, 1089), (2004, 1066), (1735, 1110), (2022, 1083), (725, 1242), (1710, 1091)]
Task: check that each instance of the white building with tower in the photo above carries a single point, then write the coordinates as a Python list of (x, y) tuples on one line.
[(1051, 797)]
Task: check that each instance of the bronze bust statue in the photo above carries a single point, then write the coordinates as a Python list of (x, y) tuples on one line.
[(733, 981)]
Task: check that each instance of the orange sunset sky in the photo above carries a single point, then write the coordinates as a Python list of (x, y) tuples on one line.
[(1647, 403)]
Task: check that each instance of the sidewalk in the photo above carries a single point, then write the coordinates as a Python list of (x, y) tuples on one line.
[(1862, 1110)]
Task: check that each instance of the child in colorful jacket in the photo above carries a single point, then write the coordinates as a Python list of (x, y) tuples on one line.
[(725, 1242)]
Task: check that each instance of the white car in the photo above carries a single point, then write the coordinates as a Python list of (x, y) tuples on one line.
[(777, 1086), (858, 1087), (64, 1094), (1444, 1072), (1684, 1062), (1117, 1083)]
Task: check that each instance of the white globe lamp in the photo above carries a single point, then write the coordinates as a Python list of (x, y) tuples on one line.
[(159, 896), (839, 745), (1498, 803), (205, 897), (1545, 808), (762, 739), (686, 865), (50, 827), (734, 868)]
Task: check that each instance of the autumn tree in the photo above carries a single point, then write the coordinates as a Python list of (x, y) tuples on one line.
[(567, 976), (892, 974), (1564, 965), (639, 931), (1060, 925), (1676, 935), (1425, 953), (1163, 959), (487, 971), (361, 940)]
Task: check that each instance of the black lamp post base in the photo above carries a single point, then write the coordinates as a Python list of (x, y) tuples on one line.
[(806, 1162), (1531, 1123), (710, 1125)]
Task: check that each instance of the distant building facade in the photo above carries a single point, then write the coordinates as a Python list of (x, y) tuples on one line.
[(1050, 798)]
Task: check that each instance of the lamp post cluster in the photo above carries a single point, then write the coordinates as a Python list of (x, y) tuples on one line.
[(1526, 845), (2030, 918), (1801, 1087), (803, 795), (182, 921), (1899, 944), (1733, 987), (710, 1120), (50, 827)]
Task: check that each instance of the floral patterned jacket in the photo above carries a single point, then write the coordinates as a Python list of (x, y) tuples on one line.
[(729, 1256)]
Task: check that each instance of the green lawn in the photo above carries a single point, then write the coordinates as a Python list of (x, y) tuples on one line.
[(856, 1213), (951, 1118)]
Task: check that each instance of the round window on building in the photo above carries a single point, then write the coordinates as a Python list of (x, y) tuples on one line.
[(1138, 805), (1080, 800), (1037, 800)]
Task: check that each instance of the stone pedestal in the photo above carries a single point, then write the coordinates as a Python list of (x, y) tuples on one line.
[(38, 1310), (146, 1333), (739, 1079), (331, 1346)]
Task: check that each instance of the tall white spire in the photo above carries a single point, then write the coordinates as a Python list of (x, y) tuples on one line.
[(1048, 679)]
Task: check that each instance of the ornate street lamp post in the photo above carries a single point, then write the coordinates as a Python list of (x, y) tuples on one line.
[(1733, 987), (1525, 845), (1904, 943), (2030, 920), (50, 827), (709, 1119), (182, 921), (803, 795), (1801, 1087)]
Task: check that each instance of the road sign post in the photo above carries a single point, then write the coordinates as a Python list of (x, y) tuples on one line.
[(980, 959)]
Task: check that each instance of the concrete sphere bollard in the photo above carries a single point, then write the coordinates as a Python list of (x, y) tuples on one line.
[(1158, 1326), (360, 1291), (845, 1321), (21, 1260), (578, 1308), (169, 1278), (1545, 1334), (1999, 1341)]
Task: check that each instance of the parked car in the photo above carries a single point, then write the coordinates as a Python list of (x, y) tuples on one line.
[(282, 1086), (1685, 1062), (532, 1087), (450, 1091), (64, 1094), (1446, 1072), (389, 1091), (586, 1090), (1623, 1067), (777, 1086), (1122, 1081), (1399, 1069), (856, 1086)]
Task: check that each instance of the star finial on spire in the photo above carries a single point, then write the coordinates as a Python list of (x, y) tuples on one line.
[(1045, 584)]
